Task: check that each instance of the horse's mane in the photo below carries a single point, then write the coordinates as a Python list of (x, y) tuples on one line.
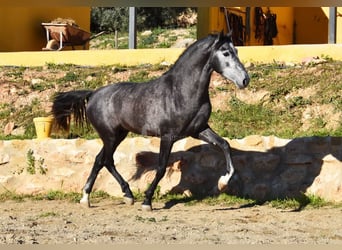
[(196, 46)]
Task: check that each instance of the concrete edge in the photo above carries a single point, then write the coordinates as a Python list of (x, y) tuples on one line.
[(262, 54)]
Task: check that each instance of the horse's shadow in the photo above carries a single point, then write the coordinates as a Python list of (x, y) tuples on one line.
[(277, 173)]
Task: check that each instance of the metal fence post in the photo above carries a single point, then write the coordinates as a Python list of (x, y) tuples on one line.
[(332, 25), (132, 30)]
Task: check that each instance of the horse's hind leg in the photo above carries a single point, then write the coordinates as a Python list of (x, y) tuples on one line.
[(109, 149), (105, 158), (128, 196), (208, 135), (98, 165)]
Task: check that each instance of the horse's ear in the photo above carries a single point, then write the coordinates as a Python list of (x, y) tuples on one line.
[(219, 36)]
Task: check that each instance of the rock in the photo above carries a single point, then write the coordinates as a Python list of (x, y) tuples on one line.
[(89, 79), (240, 162), (328, 183), (146, 33), (293, 176), (260, 191), (4, 158), (265, 163), (184, 43), (298, 159), (13, 90), (18, 131), (253, 140), (164, 63), (265, 167), (313, 60), (8, 128), (252, 97), (36, 81)]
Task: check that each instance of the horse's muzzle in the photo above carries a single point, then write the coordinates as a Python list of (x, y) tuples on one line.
[(245, 82)]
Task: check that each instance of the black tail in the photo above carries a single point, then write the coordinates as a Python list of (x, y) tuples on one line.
[(67, 104)]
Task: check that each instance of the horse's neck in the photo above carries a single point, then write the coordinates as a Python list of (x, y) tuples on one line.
[(193, 74)]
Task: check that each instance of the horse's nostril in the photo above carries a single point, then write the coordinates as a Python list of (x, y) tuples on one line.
[(245, 82)]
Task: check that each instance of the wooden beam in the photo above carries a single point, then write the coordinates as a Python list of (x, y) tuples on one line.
[(173, 3)]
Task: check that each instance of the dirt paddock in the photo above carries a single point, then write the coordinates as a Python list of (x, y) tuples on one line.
[(111, 221)]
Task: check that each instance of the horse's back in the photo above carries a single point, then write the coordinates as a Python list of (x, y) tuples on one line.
[(116, 104)]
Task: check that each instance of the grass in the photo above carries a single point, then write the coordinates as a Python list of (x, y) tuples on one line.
[(224, 200), (279, 113), (310, 201), (158, 38), (253, 118), (73, 197)]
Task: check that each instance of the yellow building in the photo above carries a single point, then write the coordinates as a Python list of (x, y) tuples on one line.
[(295, 25), (21, 28)]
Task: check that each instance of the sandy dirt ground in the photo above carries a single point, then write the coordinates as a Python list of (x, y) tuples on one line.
[(111, 221)]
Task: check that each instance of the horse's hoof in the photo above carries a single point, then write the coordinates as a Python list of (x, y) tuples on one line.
[(128, 200), (221, 186), (85, 199), (147, 208), (222, 183), (85, 203)]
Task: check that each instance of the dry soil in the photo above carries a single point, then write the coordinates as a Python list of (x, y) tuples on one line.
[(111, 221)]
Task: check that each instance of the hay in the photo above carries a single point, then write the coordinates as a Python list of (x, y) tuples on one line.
[(68, 21)]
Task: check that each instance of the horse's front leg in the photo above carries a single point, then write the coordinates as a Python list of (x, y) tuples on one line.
[(166, 143), (208, 135)]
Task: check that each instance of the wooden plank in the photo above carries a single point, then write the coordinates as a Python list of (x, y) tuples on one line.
[(173, 3)]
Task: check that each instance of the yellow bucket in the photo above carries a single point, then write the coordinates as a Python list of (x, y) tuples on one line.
[(43, 126)]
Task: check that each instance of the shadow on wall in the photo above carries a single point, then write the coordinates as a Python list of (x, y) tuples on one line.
[(304, 164)]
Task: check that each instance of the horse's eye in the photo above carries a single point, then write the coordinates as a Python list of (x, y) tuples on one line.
[(226, 53)]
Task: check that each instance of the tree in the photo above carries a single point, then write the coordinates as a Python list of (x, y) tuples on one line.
[(111, 19)]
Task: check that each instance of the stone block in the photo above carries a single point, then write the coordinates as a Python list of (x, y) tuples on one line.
[(253, 141), (212, 160), (298, 159), (263, 163), (240, 162), (260, 192), (294, 175), (265, 166), (4, 158)]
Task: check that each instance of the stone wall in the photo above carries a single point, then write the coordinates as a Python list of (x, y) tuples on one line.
[(266, 167)]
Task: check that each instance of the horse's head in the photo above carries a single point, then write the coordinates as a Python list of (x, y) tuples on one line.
[(225, 61)]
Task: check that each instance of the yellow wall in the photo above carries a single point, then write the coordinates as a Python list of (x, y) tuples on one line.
[(311, 25), (296, 25), (284, 25), (210, 20), (21, 29), (131, 57), (217, 23)]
